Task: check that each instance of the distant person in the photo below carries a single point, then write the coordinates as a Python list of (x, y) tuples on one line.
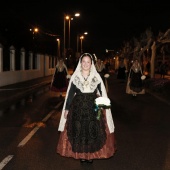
[(107, 67), (121, 71), (83, 136), (135, 83), (59, 82), (100, 67)]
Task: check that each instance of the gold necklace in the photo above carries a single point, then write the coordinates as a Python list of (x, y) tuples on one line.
[(85, 83)]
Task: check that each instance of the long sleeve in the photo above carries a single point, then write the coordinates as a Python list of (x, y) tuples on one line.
[(70, 96), (65, 67), (99, 89), (56, 70), (130, 73)]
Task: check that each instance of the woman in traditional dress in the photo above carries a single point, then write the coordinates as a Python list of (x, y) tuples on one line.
[(121, 72), (59, 81), (135, 83), (100, 67), (82, 135)]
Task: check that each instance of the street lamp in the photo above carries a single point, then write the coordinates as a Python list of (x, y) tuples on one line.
[(34, 31), (108, 50), (58, 47), (78, 36), (69, 31), (69, 18), (81, 43)]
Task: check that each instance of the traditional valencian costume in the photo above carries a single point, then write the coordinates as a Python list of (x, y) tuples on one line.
[(135, 83), (121, 72), (100, 67), (82, 135), (59, 81)]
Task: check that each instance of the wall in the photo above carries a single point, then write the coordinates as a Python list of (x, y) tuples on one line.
[(44, 67)]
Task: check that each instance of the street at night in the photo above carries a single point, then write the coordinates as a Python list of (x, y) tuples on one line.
[(29, 134)]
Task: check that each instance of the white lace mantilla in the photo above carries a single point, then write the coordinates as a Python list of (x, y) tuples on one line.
[(86, 86)]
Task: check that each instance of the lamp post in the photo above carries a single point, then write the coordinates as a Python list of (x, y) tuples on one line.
[(64, 38), (69, 28), (69, 18), (78, 36), (35, 30), (81, 43), (34, 38), (58, 47)]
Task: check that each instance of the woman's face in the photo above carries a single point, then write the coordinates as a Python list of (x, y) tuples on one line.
[(60, 62), (136, 62), (86, 63)]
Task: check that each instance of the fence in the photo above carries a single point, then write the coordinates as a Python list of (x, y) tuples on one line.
[(18, 66)]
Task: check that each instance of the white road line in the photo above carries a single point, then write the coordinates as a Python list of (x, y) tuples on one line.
[(49, 114), (5, 161), (28, 137)]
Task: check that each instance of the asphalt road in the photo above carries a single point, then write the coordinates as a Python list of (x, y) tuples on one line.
[(28, 135)]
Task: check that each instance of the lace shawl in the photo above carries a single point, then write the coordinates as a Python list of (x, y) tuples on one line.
[(94, 80)]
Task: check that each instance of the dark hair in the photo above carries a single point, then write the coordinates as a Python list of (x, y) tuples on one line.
[(86, 54)]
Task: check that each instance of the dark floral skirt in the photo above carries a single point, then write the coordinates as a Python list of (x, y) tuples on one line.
[(85, 137)]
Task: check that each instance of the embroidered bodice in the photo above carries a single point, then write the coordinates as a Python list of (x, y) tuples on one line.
[(136, 68), (86, 85), (60, 68)]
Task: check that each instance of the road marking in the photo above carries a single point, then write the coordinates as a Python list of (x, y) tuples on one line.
[(5, 161), (49, 114), (28, 137)]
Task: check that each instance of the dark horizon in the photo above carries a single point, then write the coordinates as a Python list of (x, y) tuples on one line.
[(108, 24)]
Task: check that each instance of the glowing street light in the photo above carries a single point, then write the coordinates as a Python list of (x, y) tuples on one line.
[(69, 18), (35, 30), (81, 43), (78, 36), (108, 50), (58, 47)]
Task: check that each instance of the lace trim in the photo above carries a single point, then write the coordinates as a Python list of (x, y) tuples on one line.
[(60, 69), (80, 85), (136, 69)]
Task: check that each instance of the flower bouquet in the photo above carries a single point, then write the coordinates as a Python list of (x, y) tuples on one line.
[(68, 76), (100, 104), (143, 77), (106, 75)]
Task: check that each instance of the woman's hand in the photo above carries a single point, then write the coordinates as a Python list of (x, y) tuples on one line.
[(65, 114)]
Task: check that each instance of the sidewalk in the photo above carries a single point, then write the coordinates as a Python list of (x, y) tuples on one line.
[(161, 95), (159, 76)]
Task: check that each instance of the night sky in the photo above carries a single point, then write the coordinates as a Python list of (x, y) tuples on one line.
[(108, 23)]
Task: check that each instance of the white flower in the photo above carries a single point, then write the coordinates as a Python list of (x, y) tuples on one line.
[(68, 76), (106, 75), (143, 77), (102, 101)]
